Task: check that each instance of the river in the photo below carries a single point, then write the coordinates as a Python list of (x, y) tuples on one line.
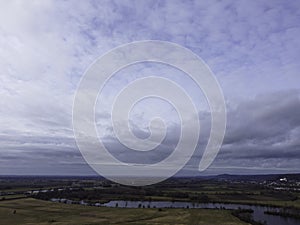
[(258, 211)]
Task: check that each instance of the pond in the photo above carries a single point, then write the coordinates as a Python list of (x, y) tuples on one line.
[(258, 211)]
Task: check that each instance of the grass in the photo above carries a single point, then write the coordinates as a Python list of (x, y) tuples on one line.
[(32, 211), (270, 203), (7, 197), (245, 196)]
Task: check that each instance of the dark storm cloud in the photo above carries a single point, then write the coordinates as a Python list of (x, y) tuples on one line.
[(265, 119), (263, 133)]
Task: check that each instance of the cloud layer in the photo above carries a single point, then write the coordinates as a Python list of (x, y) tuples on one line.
[(251, 46)]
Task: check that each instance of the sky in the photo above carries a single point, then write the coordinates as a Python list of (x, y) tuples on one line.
[(252, 48)]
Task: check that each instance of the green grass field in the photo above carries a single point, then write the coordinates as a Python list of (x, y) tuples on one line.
[(5, 197), (32, 211)]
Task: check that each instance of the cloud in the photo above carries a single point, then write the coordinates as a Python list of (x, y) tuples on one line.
[(252, 47), (263, 133)]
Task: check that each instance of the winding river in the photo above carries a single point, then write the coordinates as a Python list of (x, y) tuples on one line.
[(258, 211)]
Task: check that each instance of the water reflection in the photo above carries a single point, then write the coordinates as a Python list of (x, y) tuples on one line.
[(258, 211)]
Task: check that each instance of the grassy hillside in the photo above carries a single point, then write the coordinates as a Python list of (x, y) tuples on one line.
[(32, 211)]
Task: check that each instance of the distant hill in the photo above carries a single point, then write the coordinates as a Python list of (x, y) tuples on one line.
[(268, 177)]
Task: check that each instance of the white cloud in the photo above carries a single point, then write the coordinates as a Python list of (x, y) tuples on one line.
[(45, 46)]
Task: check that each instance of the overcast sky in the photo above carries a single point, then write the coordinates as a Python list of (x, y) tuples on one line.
[(252, 47)]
